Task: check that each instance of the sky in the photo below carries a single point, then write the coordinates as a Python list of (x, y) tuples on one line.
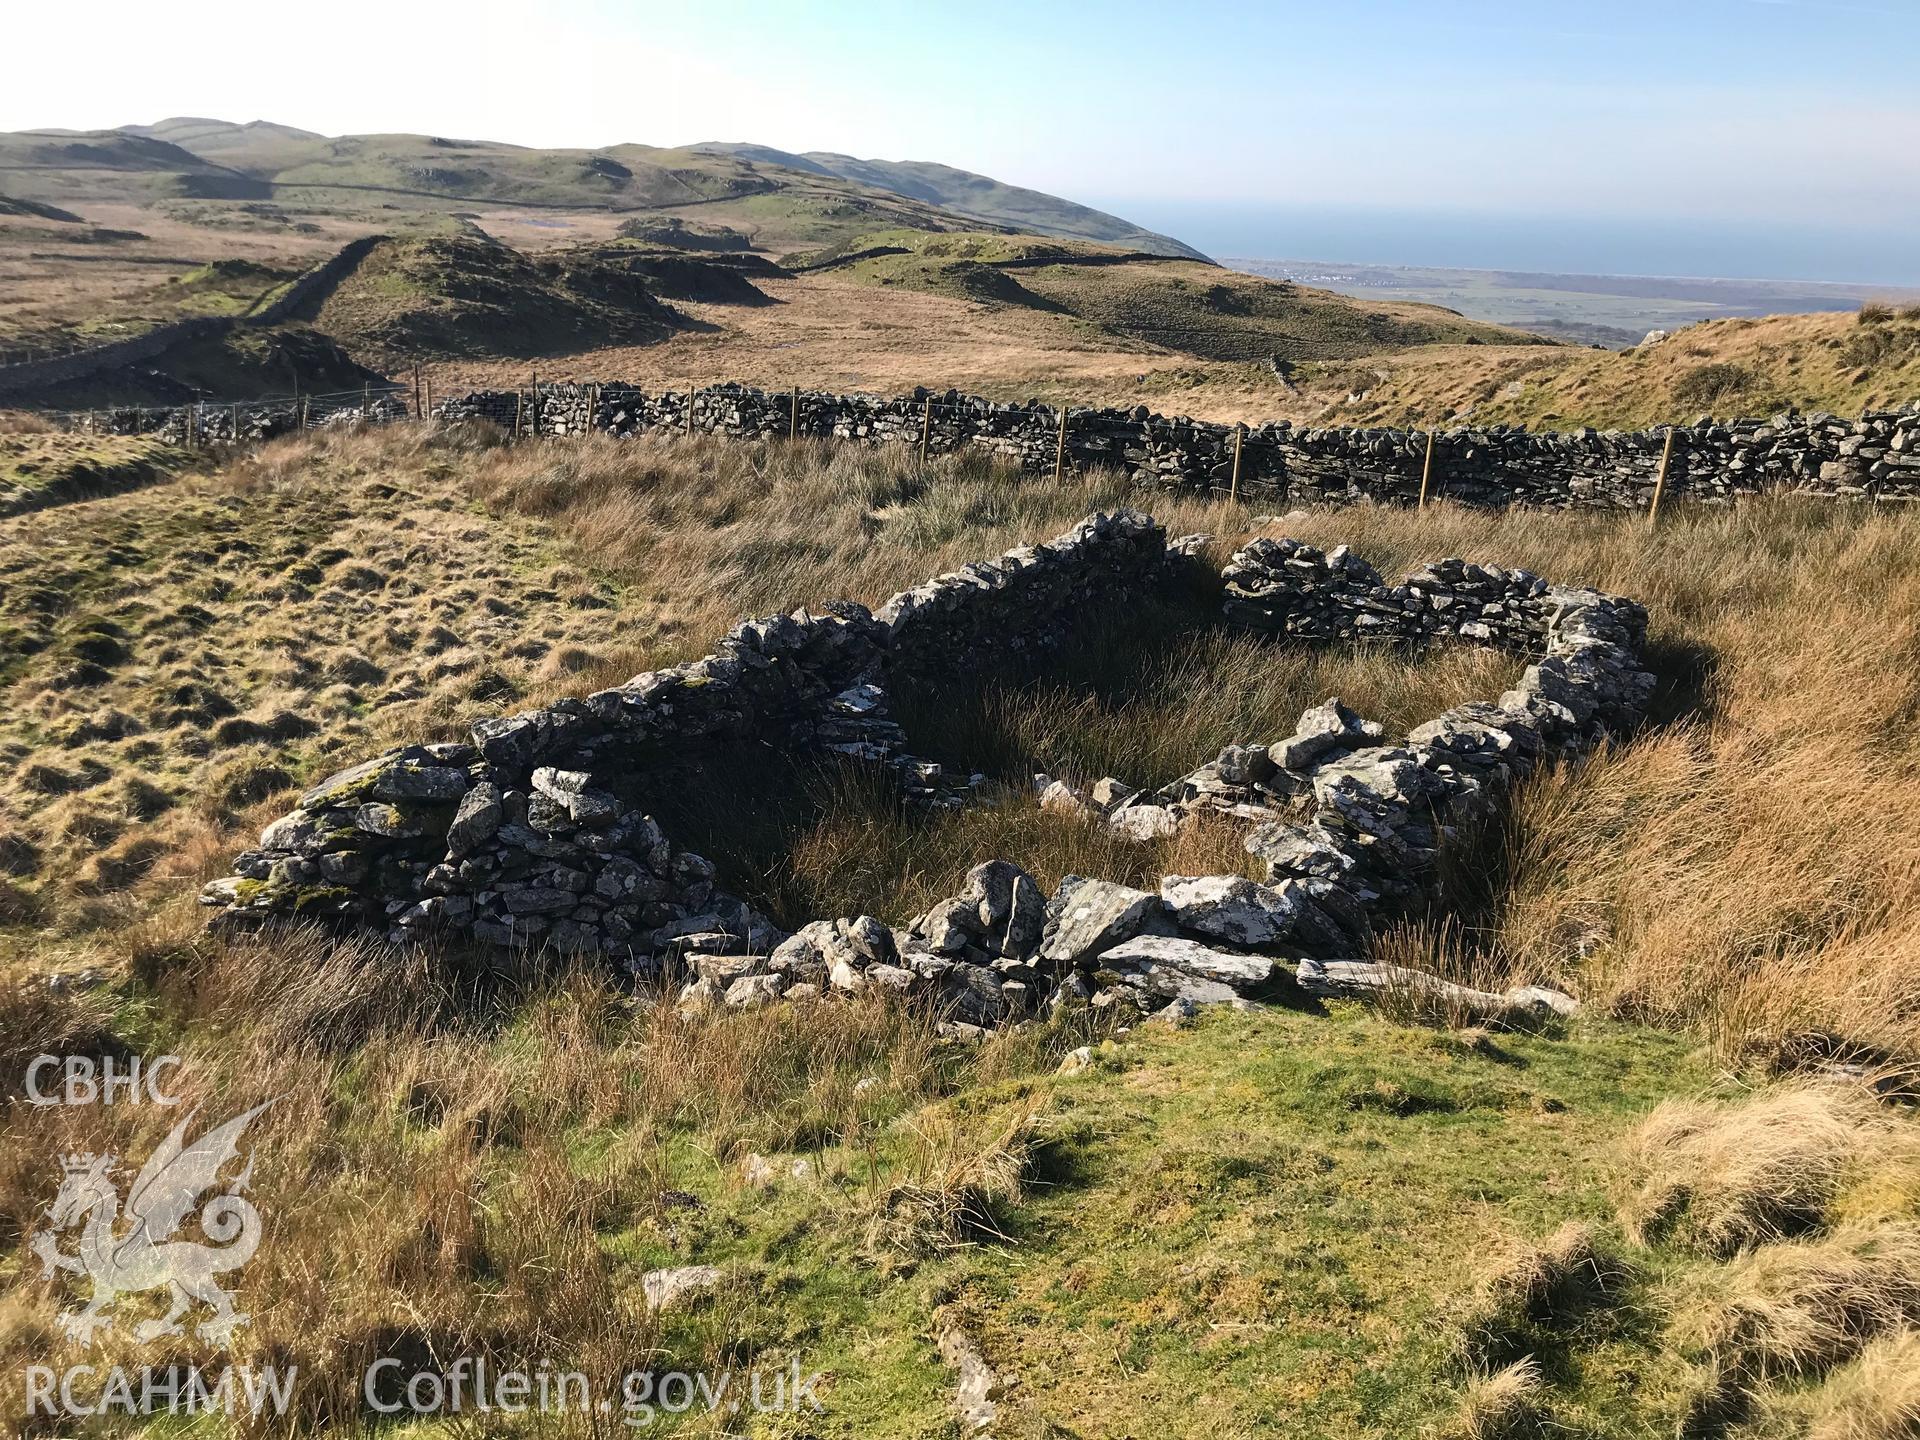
[(1731, 137)]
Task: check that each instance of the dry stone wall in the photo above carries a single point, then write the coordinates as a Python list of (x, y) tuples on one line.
[(81, 363), (1876, 457), (525, 836), (521, 834), (1348, 823)]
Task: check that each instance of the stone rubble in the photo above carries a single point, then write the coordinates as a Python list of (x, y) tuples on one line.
[(525, 836)]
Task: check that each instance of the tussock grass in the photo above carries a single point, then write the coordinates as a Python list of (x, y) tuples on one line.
[(1548, 1283), (1800, 1307), (1162, 687), (1504, 1405), (1877, 1397), (433, 1192), (1725, 1177), (495, 1172), (1747, 869), (957, 1188), (1834, 361)]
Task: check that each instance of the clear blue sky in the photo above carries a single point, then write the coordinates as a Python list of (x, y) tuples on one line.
[(1743, 123)]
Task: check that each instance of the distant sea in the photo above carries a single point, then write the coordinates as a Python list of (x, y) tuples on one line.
[(1831, 248)]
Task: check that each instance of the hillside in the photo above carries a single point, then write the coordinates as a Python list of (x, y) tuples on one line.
[(1842, 363), (977, 197), (780, 206), (1183, 306), (285, 359)]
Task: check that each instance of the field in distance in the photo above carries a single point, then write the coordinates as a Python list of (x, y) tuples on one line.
[(1609, 310)]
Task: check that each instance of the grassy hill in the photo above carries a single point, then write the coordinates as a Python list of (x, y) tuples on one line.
[(1181, 305), (781, 205), (1843, 363), (978, 197), (455, 296), (62, 166)]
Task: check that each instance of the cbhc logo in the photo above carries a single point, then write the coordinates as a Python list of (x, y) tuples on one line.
[(83, 1080)]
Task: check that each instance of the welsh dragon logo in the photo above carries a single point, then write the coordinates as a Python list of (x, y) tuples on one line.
[(139, 1253)]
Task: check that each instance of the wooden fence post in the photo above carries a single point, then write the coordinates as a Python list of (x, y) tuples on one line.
[(691, 392), (593, 408), (236, 424), (1426, 469), (519, 412), (366, 402), (304, 403), (418, 413), (1660, 480), (1060, 448), (1233, 484), (926, 431), (193, 424), (793, 416)]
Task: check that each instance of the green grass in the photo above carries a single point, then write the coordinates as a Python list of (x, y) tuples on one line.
[(42, 468), (1265, 1224), (1262, 1222), (1280, 1209)]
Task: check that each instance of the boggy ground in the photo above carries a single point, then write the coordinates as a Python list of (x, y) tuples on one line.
[(1277, 1223)]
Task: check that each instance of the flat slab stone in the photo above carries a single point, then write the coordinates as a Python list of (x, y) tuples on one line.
[(664, 1287), (1363, 980), (1190, 957)]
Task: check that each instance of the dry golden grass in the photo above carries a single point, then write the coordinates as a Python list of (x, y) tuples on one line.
[(1801, 1307), (957, 1188), (1844, 363), (1749, 865), (1806, 1196), (1545, 1283), (427, 1199), (1726, 1177), (1504, 1405), (1875, 1398)]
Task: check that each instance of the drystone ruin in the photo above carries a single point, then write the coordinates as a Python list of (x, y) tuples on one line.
[(1874, 457), (528, 836)]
